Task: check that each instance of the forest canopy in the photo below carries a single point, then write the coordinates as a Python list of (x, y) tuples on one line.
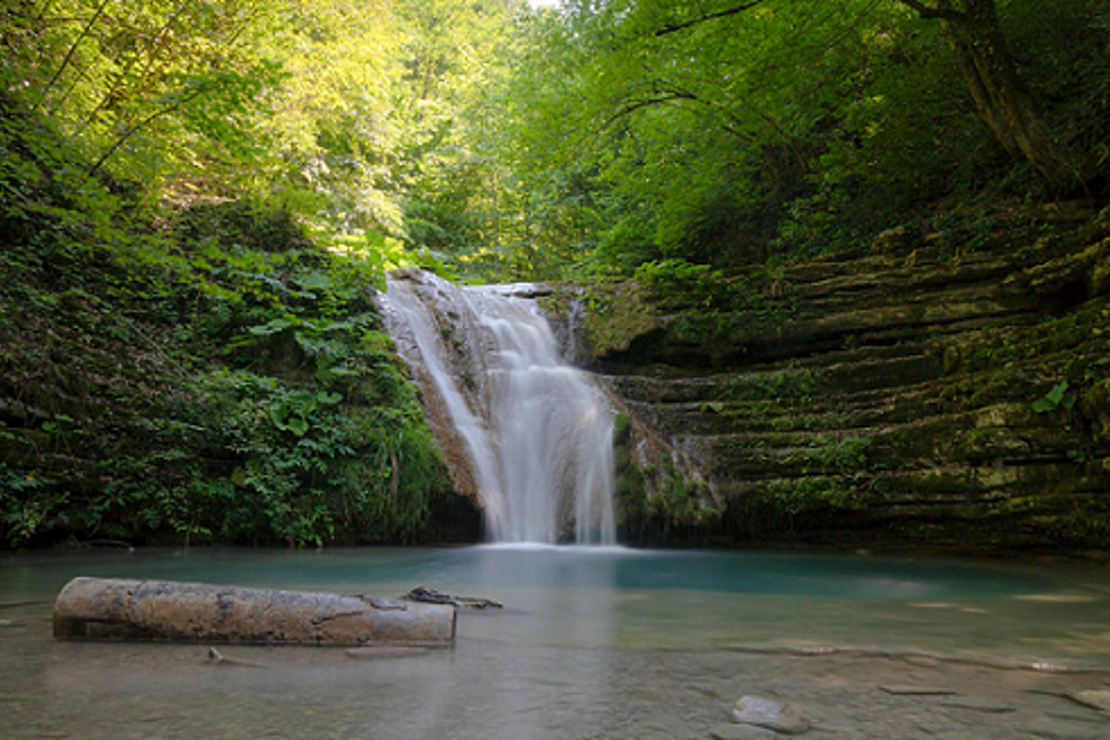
[(736, 132), (521, 142)]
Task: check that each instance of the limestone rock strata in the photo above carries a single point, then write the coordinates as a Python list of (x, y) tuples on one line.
[(891, 401)]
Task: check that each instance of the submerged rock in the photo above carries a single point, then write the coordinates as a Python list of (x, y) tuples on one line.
[(1051, 728), (740, 732), (769, 714), (386, 652), (978, 704), (905, 690), (1094, 698)]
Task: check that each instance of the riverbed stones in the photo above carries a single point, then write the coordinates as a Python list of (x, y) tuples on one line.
[(1094, 698), (910, 690), (740, 732), (978, 704), (769, 714)]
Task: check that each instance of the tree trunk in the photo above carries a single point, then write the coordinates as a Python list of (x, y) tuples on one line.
[(1005, 103), (122, 609)]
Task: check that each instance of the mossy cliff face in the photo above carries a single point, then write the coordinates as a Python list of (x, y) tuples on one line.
[(601, 321), (883, 399), (229, 383)]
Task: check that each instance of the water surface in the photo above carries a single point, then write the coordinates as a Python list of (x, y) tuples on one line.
[(592, 643)]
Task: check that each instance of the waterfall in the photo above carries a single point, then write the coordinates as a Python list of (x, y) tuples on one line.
[(521, 429)]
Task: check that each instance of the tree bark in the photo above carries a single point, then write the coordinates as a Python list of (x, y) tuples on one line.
[(116, 609), (1003, 100)]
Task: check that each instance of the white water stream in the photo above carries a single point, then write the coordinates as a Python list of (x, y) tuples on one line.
[(535, 436)]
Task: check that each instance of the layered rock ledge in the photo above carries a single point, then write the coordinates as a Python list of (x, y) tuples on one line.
[(871, 400)]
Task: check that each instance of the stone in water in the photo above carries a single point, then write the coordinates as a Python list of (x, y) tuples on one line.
[(1094, 698), (740, 732), (906, 690), (760, 712), (978, 704)]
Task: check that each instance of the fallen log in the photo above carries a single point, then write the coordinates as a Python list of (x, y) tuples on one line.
[(123, 609)]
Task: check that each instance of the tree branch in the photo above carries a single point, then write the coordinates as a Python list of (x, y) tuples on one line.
[(631, 107), (69, 54), (941, 11), (676, 27), (122, 139)]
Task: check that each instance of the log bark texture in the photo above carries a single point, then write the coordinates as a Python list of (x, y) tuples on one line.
[(122, 609)]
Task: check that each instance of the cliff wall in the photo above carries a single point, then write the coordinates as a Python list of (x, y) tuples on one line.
[(883, 399)]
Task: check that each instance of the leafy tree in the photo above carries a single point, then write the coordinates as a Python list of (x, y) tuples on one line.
[(170, 84), (455, 57), (740, 131), (982, 51), (183, 360), (331, 118)]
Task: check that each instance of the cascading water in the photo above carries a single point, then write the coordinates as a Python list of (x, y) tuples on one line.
[(530, 436)]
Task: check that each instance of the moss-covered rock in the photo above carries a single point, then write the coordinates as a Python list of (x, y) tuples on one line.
[(601, 320), (963, 405)]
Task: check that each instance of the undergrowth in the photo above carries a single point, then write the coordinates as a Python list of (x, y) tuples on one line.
[(202, 374)]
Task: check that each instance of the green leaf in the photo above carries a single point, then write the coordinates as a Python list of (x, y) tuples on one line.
[(278, 413), (315, 281), (1052, 400), (329, 398), (274, 326), (1056, 395)]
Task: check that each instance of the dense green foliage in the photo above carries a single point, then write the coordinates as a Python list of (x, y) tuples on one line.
[(215, 376), (199, 203), (588, 139), (734, 134)]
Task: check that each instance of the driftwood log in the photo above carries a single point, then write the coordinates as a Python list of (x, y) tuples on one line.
[(121, 609)]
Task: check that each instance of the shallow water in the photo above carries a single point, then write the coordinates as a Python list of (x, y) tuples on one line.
[(592, 643)]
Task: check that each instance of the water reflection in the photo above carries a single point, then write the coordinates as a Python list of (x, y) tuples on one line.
[(550, 599), (565, 596)]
